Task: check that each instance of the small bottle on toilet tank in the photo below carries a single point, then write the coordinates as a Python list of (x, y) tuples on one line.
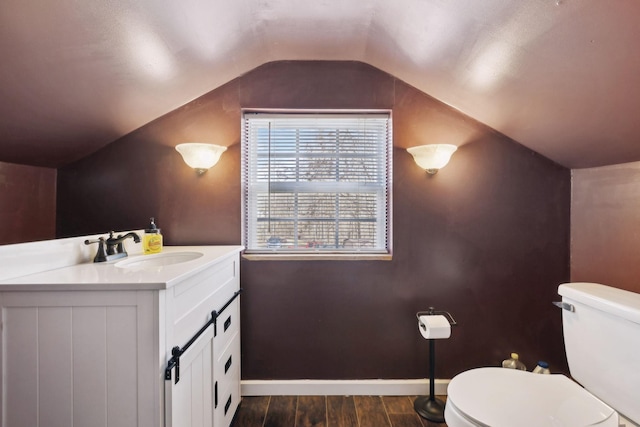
[(541, 368), (514, 363)]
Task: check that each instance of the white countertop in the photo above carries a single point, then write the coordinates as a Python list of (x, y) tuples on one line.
[(108, 276)]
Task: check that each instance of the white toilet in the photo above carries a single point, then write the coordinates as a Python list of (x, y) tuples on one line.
[(602, 341)]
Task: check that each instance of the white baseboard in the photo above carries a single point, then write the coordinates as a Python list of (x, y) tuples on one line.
[(417, 387)]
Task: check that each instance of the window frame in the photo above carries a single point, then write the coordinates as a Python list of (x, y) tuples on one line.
[(312, 253)]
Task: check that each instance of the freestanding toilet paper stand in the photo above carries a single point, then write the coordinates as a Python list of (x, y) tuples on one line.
[(430, 407)]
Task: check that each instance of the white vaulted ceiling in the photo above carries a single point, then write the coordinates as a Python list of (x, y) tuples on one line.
[(561, 77)]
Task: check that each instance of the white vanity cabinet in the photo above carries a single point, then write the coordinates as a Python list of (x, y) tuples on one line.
[(89, 345)]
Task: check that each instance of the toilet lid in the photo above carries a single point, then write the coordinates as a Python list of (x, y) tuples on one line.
[(508, 397)]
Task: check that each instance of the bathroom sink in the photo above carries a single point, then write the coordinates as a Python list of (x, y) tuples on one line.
[(158, 260)]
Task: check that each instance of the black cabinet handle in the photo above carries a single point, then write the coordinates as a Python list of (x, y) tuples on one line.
[(227, 365), (226, 405)]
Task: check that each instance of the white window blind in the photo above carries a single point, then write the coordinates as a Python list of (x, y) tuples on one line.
[(316, 182)]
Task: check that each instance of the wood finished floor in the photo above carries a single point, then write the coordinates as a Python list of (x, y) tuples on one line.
[(329, 411)]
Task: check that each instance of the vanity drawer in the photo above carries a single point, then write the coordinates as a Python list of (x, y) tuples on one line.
[(226, 361), (227, 404), (227, 325)]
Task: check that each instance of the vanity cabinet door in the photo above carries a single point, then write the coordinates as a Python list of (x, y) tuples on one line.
[(79, 359), (189, 402)]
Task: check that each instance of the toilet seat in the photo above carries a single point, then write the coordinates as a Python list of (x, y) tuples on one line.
[(499, 397)]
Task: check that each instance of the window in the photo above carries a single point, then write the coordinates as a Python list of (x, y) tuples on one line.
[(316, 182)]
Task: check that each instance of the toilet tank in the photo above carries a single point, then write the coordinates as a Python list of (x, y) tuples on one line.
[(602, 342)]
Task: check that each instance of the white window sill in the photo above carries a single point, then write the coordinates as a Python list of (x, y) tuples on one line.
[(315, 257)]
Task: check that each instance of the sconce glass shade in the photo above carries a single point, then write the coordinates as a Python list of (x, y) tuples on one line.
[(433, 156), (200, 156)]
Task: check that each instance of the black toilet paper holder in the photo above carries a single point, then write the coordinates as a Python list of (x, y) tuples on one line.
[(433, 312), (430, 407)]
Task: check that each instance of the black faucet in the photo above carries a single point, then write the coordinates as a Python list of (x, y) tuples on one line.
[(114, 246)]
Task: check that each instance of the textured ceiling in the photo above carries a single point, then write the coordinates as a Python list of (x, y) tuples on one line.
[(561, 77)]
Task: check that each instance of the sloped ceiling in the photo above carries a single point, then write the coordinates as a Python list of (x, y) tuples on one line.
[(561, 77)]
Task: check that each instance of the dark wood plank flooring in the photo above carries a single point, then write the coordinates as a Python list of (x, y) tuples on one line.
[(329, 411)]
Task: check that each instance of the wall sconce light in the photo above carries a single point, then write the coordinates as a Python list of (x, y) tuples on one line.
[(432, 157), (200, 156)]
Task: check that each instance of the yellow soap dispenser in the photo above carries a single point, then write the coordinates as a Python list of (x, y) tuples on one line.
[(152, 239)]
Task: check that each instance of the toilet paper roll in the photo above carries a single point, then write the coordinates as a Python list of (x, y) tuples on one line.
[(434, 327)]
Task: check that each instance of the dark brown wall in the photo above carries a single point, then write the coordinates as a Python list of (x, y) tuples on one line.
[(27, 203), (486, 238), (605, 226)]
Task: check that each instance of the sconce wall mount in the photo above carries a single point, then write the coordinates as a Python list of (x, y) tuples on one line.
[(200, 156), (432, 157)]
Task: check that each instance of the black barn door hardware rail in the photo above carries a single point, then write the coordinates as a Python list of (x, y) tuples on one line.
[(177, 351)]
